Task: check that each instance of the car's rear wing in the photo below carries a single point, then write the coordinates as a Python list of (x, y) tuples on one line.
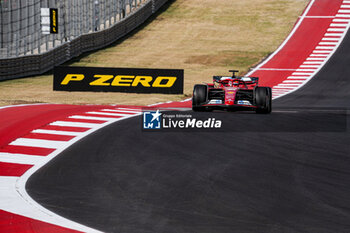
[(247, 80)]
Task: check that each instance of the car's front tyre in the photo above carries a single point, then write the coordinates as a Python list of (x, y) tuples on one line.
[(263, 100), (200, 95)]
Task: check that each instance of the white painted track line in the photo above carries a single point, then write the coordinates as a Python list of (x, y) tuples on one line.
[(120, 111), (335, 29), (319, 56), (277, 69), (293, 81), (74, 124), (326, 52), (330, 39), (287, 85), (297, 77), (309, 66), (341, 20), (57, 132), (318, 17), (344, 11), (20, 158), (325, 47), (316, 59), (38, 143), (91, 118), (339, 25), (334, 34), (342, 15), (307, 71), (312, 62), (109, 114), (301, 74), (328, 43), (131, 109), (289, 88)]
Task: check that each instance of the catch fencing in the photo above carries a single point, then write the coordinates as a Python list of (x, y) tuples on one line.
[(83, 25)]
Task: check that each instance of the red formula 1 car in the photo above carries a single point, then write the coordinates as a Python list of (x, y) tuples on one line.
[(232, 93)]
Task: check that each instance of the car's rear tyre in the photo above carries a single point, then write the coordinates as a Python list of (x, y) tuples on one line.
[(200, 95), (263, 100)]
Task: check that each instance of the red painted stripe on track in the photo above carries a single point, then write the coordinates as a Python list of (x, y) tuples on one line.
[(13, 223), (272, 78), (325, 8), (18, 121), (300, 46), (54, 137), (27, 150), (13, 169)]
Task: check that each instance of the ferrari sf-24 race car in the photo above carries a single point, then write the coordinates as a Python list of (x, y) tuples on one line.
[(232, 93)]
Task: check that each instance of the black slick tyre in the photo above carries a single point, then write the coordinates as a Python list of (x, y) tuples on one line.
[(200, 93), (263, 100)]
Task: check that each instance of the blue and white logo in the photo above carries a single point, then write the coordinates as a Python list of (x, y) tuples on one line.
[(243, 102), (152, 120)]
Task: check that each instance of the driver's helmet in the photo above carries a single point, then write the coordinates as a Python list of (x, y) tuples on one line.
[(230, 81), (235, 82)]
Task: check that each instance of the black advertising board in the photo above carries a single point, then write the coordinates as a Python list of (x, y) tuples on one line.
[(131, 80)]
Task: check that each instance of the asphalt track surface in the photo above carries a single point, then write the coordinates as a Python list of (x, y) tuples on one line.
[(269, 178)]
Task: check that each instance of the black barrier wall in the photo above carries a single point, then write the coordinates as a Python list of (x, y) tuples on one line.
[(130, 80), (37, 64)]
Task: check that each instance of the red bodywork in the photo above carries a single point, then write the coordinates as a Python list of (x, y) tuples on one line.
[(230, 86)]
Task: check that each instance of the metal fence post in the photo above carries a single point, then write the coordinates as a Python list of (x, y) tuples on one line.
[(10, 28), (1, 26), (104, 13), (16, 39), (96, 15)]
